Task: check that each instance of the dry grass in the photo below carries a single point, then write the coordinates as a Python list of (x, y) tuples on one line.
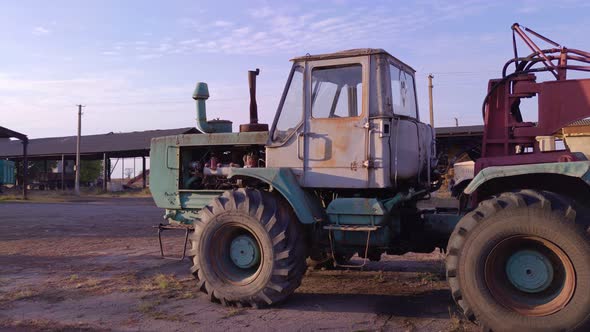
[(86, 283), (231, 312), (456, 324), (150, 309), (161, 282), (379, 277), (44, 325), (429, 277), (17, 295)]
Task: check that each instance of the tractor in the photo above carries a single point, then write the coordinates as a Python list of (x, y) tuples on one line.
[(342, 168)]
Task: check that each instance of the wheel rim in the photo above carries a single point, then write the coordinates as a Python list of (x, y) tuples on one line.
[(530, 275), (529, 271), (235, 254), (244, 251)]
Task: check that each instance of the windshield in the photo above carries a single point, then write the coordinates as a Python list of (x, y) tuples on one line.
[(290, 111)]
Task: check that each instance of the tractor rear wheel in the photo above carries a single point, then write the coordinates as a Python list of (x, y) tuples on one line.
[(247, 249), (521, 262)]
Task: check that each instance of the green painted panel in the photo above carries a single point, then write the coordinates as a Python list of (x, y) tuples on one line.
[(165, 168), (197, 199), (231, 139), (380, 238), (578, 169), (164, 172), (355, 211)]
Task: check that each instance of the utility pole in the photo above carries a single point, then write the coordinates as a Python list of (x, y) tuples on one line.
[(430, 86), (77, 183)]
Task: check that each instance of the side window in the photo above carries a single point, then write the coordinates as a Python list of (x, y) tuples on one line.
[(402, 92), (291, 112), (337, 91)]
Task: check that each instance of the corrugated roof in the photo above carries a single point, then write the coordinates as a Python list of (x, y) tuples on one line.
[(90, 144), (460, 131), (7, 133), (584, 122)]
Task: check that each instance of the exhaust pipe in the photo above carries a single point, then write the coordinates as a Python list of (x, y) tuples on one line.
[(253, 125)]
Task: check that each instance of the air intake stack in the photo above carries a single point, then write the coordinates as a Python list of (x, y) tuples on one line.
[(201, 94)]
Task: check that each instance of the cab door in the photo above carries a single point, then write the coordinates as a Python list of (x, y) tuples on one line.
[(336, 130)]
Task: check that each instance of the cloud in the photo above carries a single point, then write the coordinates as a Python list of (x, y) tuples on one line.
[(40, 31), (287, 30), (262, 12), (222, 24), (112, 95), (149, 56), (242, 31), (189, 41)]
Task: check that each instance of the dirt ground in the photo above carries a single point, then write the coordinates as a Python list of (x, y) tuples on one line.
[(95, 265)]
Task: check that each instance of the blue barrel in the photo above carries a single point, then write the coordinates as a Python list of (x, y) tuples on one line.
[(6, 172)]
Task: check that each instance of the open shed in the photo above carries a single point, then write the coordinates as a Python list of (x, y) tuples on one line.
[(5, 136), (92, 147)]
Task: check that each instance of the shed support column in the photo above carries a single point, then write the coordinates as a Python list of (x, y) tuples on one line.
[(63, 172), (25, 168), (143, 177), (109, 170), (46, 175), (105, 171)]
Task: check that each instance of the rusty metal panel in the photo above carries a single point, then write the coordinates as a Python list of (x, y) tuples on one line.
[(286, 155), (336, 149)]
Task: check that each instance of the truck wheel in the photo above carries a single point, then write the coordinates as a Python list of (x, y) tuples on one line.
[(521, 262), (247, 249)]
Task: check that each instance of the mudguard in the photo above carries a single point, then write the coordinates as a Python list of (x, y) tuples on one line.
[(306, 207), (578, 169)]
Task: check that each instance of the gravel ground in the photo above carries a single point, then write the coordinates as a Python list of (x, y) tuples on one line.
[(95, 265)]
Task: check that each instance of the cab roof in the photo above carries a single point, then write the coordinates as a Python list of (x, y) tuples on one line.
[(347, 54)]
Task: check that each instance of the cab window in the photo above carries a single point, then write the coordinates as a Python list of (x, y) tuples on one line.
[(290, 113), (403, 96), (336, 91)]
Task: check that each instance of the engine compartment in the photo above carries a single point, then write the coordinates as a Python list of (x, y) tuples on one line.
[(207, 167)]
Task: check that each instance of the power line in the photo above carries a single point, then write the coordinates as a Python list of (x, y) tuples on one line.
[(466, 72)]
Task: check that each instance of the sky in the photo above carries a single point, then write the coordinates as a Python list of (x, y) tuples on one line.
[(134, 64)]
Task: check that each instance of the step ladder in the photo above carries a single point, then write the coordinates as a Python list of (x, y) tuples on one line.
[(180, 227), (350, 228)]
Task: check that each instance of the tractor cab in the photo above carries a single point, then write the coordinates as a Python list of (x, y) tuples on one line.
[(345, 117)]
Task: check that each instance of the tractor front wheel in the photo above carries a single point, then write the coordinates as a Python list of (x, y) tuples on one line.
[(521, 262), (247, 249)]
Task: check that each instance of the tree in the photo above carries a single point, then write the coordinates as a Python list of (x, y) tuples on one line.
[(90, 170)]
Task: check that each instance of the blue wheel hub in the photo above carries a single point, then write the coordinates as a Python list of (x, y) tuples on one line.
[(529, 271), (244, 251)]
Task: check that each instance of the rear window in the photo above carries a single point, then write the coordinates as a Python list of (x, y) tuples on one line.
[(403, 95)]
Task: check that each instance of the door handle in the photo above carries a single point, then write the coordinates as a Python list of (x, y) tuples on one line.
[(299, 136)]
